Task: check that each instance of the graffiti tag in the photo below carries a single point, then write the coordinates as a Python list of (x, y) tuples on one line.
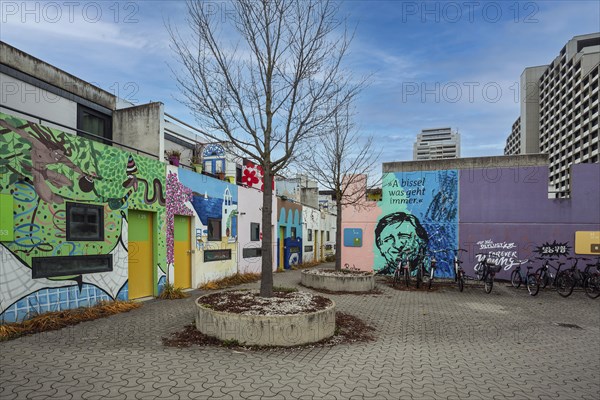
[(500, 253)]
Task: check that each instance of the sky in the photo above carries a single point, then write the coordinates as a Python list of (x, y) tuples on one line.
[(431, 64)]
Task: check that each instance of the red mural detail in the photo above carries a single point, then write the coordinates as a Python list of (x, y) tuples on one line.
[(253, 174)]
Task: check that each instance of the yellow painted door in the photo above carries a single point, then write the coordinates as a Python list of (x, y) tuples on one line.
[(315, 247), (140, 250), (281, 247), (182, 252), (322, 249)]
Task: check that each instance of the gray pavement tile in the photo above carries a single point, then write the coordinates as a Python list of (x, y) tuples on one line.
[(443, 344)]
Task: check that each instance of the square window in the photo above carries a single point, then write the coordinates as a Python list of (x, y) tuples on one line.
[(254, 231), (214, 229), (309, 238), (94, 125), (85, 222), (293, 232)]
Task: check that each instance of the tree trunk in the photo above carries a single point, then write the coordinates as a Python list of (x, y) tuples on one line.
[(338, 235), (266, 282)]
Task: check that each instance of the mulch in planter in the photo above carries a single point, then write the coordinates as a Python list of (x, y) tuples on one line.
[(246, 302)]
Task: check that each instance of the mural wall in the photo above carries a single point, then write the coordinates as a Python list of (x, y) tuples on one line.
[(506, 213), (289, 237), (70, 198), (215, 205), (419, 219), (251, 229), (502, 212), (312, 224)]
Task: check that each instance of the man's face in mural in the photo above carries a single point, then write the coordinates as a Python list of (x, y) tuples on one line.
[(397, 238)]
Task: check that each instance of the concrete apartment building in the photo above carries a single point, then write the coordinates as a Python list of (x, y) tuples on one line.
[(559, 111), (436, 143)]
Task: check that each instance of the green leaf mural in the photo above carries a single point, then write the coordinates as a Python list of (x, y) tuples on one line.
[(45, 168)]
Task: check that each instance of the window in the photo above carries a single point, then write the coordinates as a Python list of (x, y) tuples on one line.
[(214, 229), (217, 255), (328, 236), (293, 232), (46, 267), (94, 122), (252, 252), (254, 231), (309, 238), (85, 222)]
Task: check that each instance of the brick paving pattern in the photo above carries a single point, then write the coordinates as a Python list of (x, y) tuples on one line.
[(439, 345)]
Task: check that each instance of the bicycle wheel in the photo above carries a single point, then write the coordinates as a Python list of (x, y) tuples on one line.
[(461, 283), (396, 277), (543, 277), (431, 275), (565, 284), (489, 283), (479, 271), (592, 286), (515, 279), (533, 284)]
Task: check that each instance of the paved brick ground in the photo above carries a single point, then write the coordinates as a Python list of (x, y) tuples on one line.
[(443, 344)]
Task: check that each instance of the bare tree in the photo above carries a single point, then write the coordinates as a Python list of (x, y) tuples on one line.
[(343, 163), (267, 89)]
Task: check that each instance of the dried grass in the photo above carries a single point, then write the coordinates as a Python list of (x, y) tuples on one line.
[(170, 292), (305, 265), (59, 319), (233, 280)]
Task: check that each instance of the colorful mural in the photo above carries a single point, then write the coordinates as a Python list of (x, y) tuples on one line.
[(289, 236), (419, 216), (46, 171), (178, 198), (215, 205), (253, 176)]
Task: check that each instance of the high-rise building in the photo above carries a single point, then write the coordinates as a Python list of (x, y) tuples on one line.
[(437, 143), (559, 110)]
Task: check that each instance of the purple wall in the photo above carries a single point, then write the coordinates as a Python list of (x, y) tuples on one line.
[(507, 211)]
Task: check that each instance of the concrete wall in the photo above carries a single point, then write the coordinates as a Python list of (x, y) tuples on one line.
[(141, 127), (23, 62), (33, 100), (485, 163)]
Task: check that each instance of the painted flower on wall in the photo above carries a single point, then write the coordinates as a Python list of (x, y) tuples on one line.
[(177, 196)]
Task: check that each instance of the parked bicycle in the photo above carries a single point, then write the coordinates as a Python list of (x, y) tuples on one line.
[(569, 278), (519, 276), (459, 273), (432, 266), (591, 285), (544, 274), (487, 270), (402, 271)]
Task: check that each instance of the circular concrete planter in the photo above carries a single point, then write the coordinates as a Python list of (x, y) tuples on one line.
[(266, 330), (338, 283)]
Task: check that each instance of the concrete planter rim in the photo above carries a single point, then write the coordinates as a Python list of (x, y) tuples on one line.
[(362, 275)]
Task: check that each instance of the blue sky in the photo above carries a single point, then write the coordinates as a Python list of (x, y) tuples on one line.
[(433, 64)]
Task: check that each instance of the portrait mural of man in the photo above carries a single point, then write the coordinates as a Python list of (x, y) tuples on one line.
[(399, 234), (419, 215)]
